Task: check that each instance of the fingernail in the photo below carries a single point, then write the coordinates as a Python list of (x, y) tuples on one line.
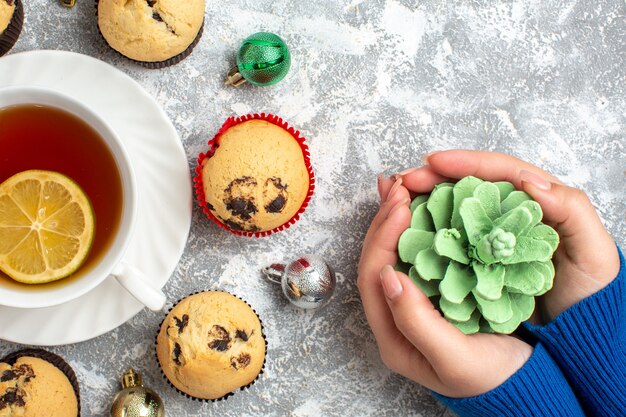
[(394, 188), (427, 157), (406, 171), (397, 206), (380, 179), (534, 179), (390, 282)]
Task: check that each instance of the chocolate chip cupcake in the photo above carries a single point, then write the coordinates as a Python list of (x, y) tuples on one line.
[(154, 33), (256, 178), (11, 21), (211, 344), (35, 383)]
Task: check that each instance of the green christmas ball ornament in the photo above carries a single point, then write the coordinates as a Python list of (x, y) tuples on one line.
[(263, 59), (479, 251)]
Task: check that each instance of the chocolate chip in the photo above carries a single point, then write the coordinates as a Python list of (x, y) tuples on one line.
[(8, 375), (240, 361), (240, 200), (233, 225), (274, 192), (10, 2), (278, 183), (241, 334), (241, 207), (219, 339), (26, 371), (239, 197), (181, 324), (156, 16), (176, 354), (210, 206), (219, 345), (277, 205), (23, 370), (239, 183), (12, 396), (244, 359)]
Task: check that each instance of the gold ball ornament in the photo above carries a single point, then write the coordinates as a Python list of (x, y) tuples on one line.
[(135, 400)]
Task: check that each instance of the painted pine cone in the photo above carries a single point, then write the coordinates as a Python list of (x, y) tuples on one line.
[(479, 250)]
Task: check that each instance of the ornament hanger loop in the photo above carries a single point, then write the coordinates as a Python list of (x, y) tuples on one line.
[(274, 273), (307, 282)]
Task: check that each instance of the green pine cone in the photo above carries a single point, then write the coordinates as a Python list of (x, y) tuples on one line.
[(479, 250)]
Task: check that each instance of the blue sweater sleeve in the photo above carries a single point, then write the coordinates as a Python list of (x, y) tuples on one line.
[(537, 389), (588, 341)]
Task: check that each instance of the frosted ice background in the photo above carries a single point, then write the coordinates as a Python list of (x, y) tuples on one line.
[(374, 86)]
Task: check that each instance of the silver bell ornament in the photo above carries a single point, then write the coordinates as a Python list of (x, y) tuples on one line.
[(135, 400), (308, 282)]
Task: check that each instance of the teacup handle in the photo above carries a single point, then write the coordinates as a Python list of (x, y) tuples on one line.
[(136, 283)]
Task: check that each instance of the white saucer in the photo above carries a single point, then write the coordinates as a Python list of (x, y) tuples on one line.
[(163, 182)]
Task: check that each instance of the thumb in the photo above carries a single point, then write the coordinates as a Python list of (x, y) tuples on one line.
[(423, 326), (581, 231)]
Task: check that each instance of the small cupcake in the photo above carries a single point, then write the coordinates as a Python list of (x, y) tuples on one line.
[(153, 33), (11, 21), (34, 383), (256, 178), (211, 344)]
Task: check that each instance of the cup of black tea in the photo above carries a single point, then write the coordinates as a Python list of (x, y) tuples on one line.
[(43, 129)]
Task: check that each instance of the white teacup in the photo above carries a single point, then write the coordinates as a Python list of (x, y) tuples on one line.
[(111, 263)]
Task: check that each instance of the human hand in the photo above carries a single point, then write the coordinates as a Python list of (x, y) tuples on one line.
[(586, 260), (413, 338)]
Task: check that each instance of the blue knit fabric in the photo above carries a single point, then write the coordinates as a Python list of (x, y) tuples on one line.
[(537, 389), (588, 342), (579, 364)]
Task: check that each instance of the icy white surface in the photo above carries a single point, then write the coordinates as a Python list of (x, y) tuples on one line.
[(374, 85)]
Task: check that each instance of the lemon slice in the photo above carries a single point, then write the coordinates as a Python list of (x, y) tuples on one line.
[(46, 226)]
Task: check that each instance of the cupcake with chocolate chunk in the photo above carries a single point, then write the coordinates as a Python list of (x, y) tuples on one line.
[(153, 33), (35, 383), (256, 177), (211, 344), (11, 21)]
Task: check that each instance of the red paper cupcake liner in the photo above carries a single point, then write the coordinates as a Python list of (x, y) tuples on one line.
[(224, 397), (214, 144), (52, 358), (8, 38), (158, 64)]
